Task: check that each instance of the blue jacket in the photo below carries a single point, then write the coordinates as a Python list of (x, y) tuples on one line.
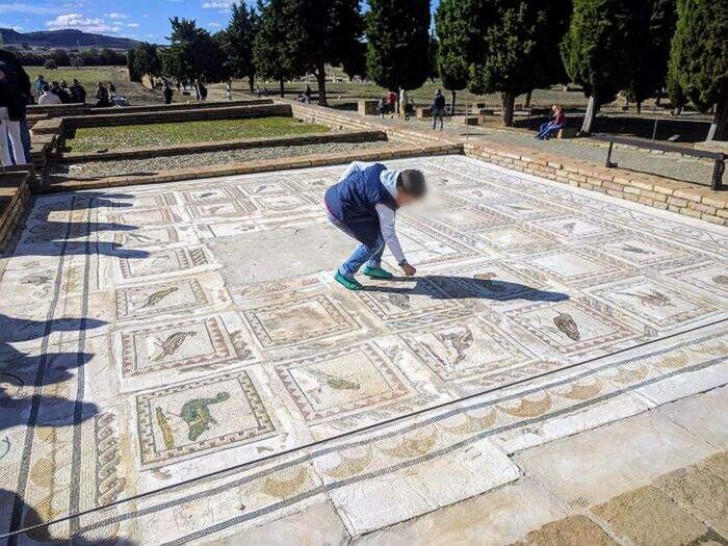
[(353, 202)]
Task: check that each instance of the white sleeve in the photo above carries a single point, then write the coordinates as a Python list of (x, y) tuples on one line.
[(386, 225), (355, 167)]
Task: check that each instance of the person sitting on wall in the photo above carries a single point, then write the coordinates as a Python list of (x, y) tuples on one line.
[(78, 91), (102, 95), (47, 97), (558, 122)]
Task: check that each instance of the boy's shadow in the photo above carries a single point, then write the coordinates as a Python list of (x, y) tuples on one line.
[(441, 287)]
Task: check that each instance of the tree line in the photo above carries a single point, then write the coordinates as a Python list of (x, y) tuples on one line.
[(58, 58), (509, 47)]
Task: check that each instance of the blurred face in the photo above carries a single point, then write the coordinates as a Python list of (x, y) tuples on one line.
[(2, 74), (405, 199)]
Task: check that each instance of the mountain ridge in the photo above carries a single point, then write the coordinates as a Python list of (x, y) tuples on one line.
[(64, 39)]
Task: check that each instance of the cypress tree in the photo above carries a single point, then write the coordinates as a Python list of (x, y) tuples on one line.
[(330, 31), (457, 37), (601, 50), (398, 38), (518, 46), (658, 19), (238, 41), (699, 59), (277, 47)]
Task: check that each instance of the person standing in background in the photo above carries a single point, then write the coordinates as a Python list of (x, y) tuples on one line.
[(438, 110), (12, 108), (26, 94)]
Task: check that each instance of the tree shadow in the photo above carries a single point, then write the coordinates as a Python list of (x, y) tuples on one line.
[(53, 238), (448, 287), (42, 534)]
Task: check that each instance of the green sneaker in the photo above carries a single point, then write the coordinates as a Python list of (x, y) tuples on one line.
[(377, 273), (349, 284)]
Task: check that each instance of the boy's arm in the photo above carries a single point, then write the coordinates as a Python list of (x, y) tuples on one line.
[(386, 225), (355, 167)]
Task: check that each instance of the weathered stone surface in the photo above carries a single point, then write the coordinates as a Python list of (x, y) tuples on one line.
[(700, 492), (704, 415), (718, 465), (315, 525), (492, 519), (648, 517), (599, 464), (571, 531)]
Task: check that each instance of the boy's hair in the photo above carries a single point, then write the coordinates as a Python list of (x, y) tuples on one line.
[(412, 182)]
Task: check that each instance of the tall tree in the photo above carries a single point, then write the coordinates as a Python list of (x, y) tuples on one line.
[(146, 60), (458, 36), (517, 45), (601, 50), (237, 42), (330, 33), (278, 44), (398, 38), (453, 24), (699, 59), (192, 53), (658, 17)]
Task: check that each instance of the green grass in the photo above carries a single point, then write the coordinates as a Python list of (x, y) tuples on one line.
[(166, 134)]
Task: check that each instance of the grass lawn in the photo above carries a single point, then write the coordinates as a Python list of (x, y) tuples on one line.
[(166, 134)]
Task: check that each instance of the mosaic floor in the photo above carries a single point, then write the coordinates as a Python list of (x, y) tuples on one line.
[(154, 337)]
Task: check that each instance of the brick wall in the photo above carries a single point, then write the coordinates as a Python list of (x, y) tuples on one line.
[(14, 201)]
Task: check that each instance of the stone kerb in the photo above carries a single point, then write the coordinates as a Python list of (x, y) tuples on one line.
[(61, 110), (198, 114), (14, 201), (240, 144)]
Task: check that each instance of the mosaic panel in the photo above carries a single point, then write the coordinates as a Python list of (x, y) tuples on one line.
[(465, 350), (194, 344), (228, 209), (572, 266), (300, 321), (414, 306), (159, 298), (571, 327), (710, 277), (654, 302), (149, 217), (201, 196), (333, 384), (200, 416), (164, 261), (575, 228)]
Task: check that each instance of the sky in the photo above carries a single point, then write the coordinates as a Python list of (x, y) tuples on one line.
[(145, 20)]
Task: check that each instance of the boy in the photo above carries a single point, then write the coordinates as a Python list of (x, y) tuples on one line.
[(363, 205)]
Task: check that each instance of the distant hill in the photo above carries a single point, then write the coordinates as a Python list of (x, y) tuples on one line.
[(63, 39)]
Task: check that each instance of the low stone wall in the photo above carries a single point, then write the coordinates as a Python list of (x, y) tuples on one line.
[(62, 110), (681, 197), (174, 116), (14, 201), (385, 153), (241, 144)]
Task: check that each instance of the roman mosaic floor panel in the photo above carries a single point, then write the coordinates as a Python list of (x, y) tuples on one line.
[(177, 362)]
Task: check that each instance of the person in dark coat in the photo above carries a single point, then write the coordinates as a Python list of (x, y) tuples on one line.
[(78, 92), (167, 92), (24, 86), (438, 110), (363, 205), (12, 108)]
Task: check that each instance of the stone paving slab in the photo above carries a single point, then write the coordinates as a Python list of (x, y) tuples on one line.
[(131, 353)]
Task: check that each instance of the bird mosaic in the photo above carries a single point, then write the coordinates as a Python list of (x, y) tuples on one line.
[(158, 296), (567, 325), (459, 342), (172, 344)]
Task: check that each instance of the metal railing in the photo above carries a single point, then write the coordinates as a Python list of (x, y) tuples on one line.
[(716, 182)]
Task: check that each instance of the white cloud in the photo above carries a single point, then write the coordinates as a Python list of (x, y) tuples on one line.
[(132, 25), (213, 24), (81, 22), (221, 5), (32, 9), (115, 15), (17, 28)]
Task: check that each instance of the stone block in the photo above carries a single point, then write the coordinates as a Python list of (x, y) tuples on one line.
[(567, 132), (367, 107), (648, 517), (424, 113), (571, 531)]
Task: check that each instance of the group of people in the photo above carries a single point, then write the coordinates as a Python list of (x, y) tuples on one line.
[(15, 95), (59, 93)]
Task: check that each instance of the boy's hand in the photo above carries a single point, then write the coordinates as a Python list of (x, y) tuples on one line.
[(408, 269)]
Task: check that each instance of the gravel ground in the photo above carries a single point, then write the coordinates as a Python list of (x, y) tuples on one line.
[(102, 169), (668, 165)]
